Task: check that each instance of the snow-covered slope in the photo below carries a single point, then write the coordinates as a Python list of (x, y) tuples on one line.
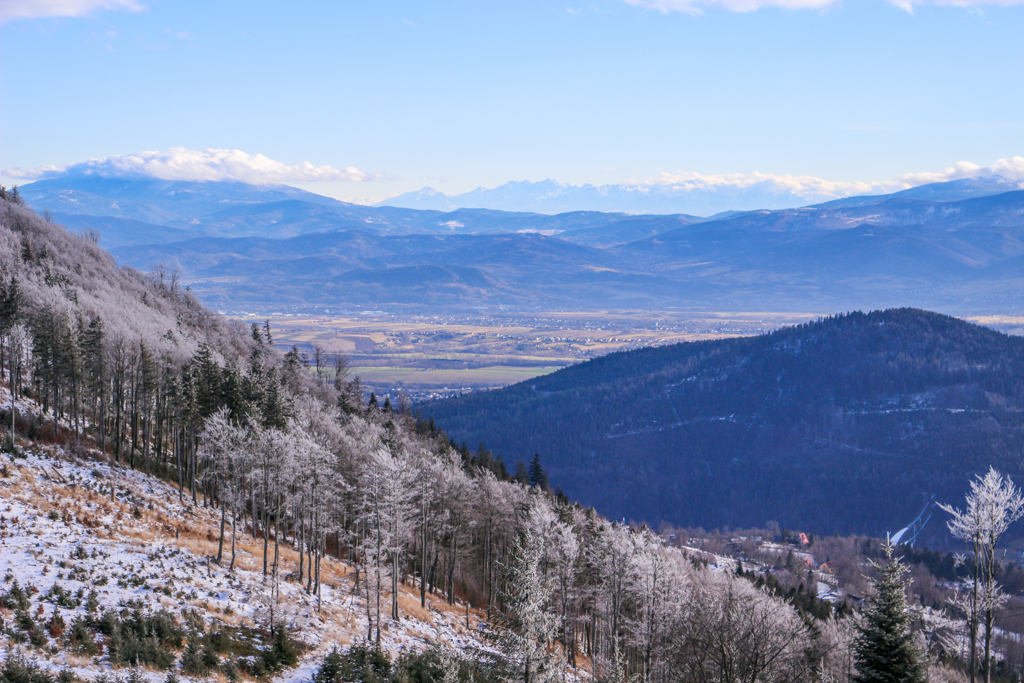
[(63, 539)]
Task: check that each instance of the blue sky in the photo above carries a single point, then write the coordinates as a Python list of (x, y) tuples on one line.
[(461, 94)]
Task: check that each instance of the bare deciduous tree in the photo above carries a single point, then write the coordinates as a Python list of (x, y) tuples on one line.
[(993, 504)]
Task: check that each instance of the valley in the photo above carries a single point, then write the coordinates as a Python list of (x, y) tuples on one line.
[(432, 356)]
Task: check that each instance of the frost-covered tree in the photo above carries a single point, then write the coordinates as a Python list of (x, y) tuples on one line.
[(615, 561), (660, 591), (223, 450), (833, 653), (993, 504), (734, 633), (385, 519), (524, 624)]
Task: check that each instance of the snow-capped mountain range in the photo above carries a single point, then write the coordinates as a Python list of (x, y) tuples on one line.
[(697, 195)]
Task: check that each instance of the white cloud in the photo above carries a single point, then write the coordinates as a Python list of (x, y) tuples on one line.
[(790, 184), (818, 189), (909, 5), (698, 6), (1011, 168), (34, 9), (179, 163)]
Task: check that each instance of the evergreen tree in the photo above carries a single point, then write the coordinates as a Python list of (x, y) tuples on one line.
[(332, 668), (92, 340), (209, 395), (536, 475), (295, 361), (522, 475), (11, 303), (884, 649)]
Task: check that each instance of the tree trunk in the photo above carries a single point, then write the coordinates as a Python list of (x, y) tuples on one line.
[(232, 567), (220, 543)]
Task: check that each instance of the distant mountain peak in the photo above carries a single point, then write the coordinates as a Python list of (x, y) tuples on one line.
[(691, 194)]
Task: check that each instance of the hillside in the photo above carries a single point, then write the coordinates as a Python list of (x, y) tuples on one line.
[(82, 557), (847, 424), (115, 543)]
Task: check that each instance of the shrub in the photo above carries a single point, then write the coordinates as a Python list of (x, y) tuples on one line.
[(192, 660), (79, 638), (278, 653), (230, 671), (138, 637), (56, 625), (283, 652), (24, 621), (16, 598), (62, 598), (17, 669), (332, 668), (357, 665)]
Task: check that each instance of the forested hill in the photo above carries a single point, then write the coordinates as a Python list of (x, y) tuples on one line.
[(845, 424)]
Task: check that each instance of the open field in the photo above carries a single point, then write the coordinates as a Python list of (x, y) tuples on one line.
[(432, 355), (493, 375), (438, 355)]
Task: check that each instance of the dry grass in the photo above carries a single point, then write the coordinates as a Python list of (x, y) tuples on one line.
[(143, 535), (410, 606), (77, 661), (197, 531)]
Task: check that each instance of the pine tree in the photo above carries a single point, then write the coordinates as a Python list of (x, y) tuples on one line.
[(537, 476), (884, 649), (332, 668), (522, 476)]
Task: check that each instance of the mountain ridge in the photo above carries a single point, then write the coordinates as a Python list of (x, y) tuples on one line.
[(882, 252), (862, 411)]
